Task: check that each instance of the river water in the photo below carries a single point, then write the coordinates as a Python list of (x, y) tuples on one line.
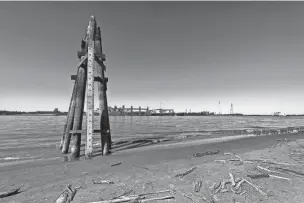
[(36, 137)]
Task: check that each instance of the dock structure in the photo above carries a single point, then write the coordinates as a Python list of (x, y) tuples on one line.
[(91, 69), (123, 111)]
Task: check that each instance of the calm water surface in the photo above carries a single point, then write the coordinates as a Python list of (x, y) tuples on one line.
[(35, 137)]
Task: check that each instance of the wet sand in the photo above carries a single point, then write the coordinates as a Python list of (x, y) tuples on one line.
[(44, 180)]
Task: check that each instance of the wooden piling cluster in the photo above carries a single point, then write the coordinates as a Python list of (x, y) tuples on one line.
[(91, 57)]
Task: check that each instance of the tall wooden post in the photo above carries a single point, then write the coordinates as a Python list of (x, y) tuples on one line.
[(131, 110), (90, 87), (139, 109)]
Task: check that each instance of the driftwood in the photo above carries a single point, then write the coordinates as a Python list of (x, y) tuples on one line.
[(185, 173), (124, 194), (264, 170), (238, 185), (257, 176), (137, 198), (67, 195), (197, 186), (279, 177), (155, 193), (122, 199), (232, 179), (185, 195), (206, 153), (141, 167), (259, 168), (116, 164), (208, 200), (290, 171), (10, 192), (156, 198), (102, 182), (255, 160), (255, 187)]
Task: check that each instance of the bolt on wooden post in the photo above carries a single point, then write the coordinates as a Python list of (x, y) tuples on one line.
[(91, 57)]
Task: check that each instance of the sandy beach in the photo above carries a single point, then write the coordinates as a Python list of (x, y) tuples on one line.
[(150, 169)]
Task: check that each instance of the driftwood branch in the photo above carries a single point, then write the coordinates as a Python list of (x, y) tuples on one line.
[(232, 179), (116, 164), (155, 193), (185, 173), (255, 187), (257, 176), (157, 198), (102, 182), (10, 192), (290, 171), (138, 198), (120, 200), (197, 186), (265, 169)]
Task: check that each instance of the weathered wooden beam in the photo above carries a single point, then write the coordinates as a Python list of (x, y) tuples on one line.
[(76, 131), (101, 65), (106, 142), (73, 77), (80, 96), (65, 140), (100, 58), (83, 60), (96, 79), (101, 80), (83, 50), (90, 87)]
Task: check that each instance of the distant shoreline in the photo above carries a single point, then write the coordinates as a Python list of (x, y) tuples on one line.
[(224, 115)]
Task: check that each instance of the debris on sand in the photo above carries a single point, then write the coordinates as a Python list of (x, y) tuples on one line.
[(185, 173), (10, 192), (67, 195), (257, 176), (197, 186), (236, 184), (290, 171), (102, 182), (116, 164), (206, 153), (137, 198)]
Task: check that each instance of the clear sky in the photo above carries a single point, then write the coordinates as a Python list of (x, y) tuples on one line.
[(182, 55)]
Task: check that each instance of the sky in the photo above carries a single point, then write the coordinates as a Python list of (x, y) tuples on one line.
[(177, 55)]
